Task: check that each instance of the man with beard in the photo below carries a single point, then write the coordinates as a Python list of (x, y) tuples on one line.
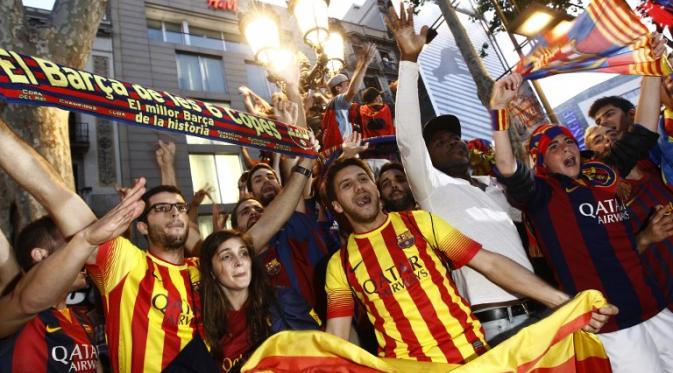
[(394, 264), (289, 243), (50, 335), (437, 164), (297, 243), (394, 188), (150, 298)]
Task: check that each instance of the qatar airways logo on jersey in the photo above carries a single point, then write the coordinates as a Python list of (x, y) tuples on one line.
[(82, 357), (177, 312), (392, 280), (606, 211)]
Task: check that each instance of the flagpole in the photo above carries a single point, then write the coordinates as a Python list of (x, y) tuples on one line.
[(536, 85)]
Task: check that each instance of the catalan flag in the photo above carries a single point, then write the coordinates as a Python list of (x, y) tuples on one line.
[(608, 37), (555, 344)]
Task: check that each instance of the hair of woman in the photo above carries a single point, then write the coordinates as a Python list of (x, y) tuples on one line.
[(214, 303)]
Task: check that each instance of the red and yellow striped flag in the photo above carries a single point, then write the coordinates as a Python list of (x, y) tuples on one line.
[(608, 37), (555, 344)]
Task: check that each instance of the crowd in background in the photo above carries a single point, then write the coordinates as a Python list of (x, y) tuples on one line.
[(420, 254)]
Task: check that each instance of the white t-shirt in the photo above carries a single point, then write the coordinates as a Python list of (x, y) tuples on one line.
[(484, 216)]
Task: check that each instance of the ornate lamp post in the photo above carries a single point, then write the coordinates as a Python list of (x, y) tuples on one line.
[(261, 29)]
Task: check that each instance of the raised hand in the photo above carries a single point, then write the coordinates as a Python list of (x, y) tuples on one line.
[(408, 41), (165, 154), (658, 45), (353, 145), (504, 90), (219, 218), (365, 55), (117, 220)]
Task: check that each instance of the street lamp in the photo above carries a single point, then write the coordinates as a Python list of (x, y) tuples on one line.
[(261, 28), (536, 22), (312, 18), (537, 18), (334, 49)]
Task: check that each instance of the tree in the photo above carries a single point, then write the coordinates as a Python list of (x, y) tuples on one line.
[(67, 40)]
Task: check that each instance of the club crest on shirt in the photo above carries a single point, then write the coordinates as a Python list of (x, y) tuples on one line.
[(599, 174), (405, 240), (273, 267)]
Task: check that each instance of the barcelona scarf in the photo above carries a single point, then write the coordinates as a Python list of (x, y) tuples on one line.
[(35, 81), (608, 37), (555, 344)]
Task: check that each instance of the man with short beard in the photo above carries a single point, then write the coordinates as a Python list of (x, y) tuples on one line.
[(394, 188), (263, 183), (296, 241), (150, 298), (395, 265)]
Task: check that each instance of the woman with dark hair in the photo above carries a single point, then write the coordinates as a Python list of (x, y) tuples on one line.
[(240, 308)]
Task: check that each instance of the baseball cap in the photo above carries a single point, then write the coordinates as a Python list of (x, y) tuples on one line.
[(446, 122), (336, 80)]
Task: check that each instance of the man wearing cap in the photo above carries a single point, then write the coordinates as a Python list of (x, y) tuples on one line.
[(437, 165), (336, 124), (376, 116)]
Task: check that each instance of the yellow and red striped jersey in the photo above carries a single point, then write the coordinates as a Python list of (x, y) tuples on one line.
[(399, 273), (151, 306)]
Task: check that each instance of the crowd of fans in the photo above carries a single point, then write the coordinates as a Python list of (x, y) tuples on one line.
[(427, 258)]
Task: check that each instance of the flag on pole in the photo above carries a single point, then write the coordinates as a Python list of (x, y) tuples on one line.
[(608, 37), (555, 344)]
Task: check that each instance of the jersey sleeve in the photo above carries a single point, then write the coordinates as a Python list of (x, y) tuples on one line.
[(114, 260), (339, 296), (459, 248)]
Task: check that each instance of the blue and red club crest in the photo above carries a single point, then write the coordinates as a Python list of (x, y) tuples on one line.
[(405, 240), (599, 174)]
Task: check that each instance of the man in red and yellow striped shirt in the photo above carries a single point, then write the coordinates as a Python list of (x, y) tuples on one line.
[(150, 297), (397, 265)]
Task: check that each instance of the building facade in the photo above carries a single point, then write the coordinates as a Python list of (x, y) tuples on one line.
[(189, 48)]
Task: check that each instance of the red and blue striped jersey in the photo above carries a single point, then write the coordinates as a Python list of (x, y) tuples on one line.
[(586, 234), (293, 255), (53, 341), (643, 195)]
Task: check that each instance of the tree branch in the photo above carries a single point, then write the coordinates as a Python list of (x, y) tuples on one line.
[(75, 23), (13, 33)]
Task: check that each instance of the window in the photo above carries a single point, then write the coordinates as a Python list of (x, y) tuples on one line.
[(200, 73), (205, 38), (257, 81), (221, 171), (154, 30)]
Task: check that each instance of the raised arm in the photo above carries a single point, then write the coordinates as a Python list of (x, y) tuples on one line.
[(48, 281), (649, 102), (34, 174), (504, 91), (414, 153), (364, 59), (165, 155), (283, 205)]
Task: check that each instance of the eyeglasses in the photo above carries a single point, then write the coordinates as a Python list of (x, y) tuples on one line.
[(166, 208)]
